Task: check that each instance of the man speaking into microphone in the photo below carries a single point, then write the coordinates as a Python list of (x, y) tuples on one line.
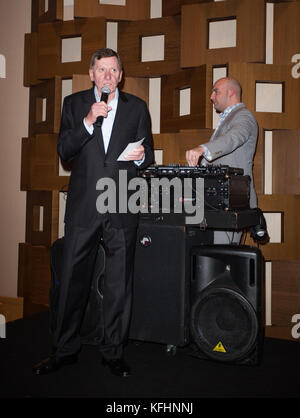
[(96, 126), (105, 92)]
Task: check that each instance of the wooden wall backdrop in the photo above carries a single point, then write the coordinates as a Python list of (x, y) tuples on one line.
[(188, 63)]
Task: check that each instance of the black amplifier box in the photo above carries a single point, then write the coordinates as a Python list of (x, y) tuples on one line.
[(225, 187), (228, 192)]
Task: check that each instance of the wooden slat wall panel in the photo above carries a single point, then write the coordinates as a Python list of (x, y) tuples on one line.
[(11, 308), (31, 59), (41, 171), (47, 232), (51, 91), (174, 145), (286, 170), (129, 46), (286, 42), (173, 7), (194, 32), (286, 300), (133, 9), (40, 15), (289, 206), (34, 277), (195, 79), (50, 35), (187, 63), (249, 74)]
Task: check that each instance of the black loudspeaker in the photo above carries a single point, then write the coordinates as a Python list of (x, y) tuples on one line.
[(227, 303), (161, 282)]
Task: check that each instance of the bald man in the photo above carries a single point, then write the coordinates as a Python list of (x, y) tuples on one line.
[(233, 142)]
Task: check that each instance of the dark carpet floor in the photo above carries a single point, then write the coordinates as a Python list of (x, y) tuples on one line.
[(156, 375)]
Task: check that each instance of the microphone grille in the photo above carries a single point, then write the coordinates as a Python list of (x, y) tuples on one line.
[(105, 89)]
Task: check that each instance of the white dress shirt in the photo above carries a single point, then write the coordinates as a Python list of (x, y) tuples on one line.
[(108, 122)]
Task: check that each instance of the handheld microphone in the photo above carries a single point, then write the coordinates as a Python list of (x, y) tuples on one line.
[(104, 97)]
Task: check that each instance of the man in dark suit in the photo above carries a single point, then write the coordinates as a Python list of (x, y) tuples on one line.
[(233, 142), (94, 151)]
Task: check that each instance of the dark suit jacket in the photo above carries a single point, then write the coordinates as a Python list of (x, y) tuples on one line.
[(90, 163)]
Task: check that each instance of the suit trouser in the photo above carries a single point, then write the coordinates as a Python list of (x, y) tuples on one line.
[(80, 249)]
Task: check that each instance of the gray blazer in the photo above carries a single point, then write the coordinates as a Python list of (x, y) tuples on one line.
[(234, 143)]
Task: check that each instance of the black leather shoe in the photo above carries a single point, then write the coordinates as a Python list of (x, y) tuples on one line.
[(52, 363), (118, 367)]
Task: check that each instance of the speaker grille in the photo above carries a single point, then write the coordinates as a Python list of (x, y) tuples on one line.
[(224, 324)]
